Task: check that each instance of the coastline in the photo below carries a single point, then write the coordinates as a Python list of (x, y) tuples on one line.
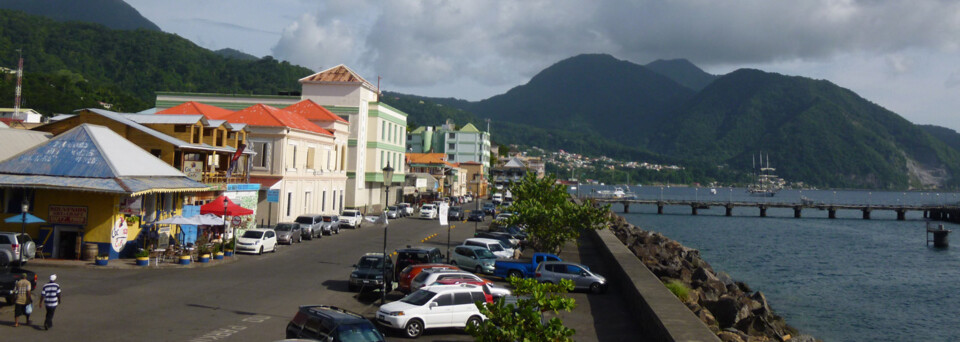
[(731, 309)]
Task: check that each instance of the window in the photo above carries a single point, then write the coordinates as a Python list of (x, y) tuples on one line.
[(197, 134), (451, 157), (462, 298), (311, 155), (478, 297), (291, 156), (445, 299), (383, 130), (15, 199), (329, 160), (452, 135), (452, 146), (289, 202), (306, 202), (155, 152), (180, 128)]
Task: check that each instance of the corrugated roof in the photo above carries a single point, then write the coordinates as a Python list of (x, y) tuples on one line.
[(419, 130), (338, 74), (88, 151), (133, 186), (470, 128), (61, 117), (514, 162), (313, 111), (121, 118), (165, 119), (193, 107), (263, 115), (14, 141)]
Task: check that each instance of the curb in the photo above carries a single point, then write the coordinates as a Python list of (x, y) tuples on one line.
[(127, 264)]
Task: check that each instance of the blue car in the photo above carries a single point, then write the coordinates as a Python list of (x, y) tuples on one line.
[(477, 215)]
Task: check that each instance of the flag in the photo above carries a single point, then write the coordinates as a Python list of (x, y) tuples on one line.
[(233, 160)]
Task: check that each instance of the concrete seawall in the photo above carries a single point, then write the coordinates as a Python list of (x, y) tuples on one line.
[(660, 314)]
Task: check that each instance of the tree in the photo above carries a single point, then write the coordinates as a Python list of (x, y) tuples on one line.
[(551, 218), (524, 320)]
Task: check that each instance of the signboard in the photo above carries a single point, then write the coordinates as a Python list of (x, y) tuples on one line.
[(68, 214), (444, 209), (131, 205), (421, 183), (243, 187), (236, 220), (118, 235), (193, 170), (163, 237), (273, 195)]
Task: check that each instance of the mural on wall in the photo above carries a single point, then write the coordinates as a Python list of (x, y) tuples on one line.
[(244, 195)]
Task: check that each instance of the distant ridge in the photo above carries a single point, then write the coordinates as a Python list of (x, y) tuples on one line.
[(683, 72), (236, 54), (115, 14)]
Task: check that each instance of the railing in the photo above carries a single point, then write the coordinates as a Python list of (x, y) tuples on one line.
[(220, 177)]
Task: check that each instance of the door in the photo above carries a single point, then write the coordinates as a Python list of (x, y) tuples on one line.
[(270, 240), (66, 241), (439, 316), (463, 308), (575, 274)]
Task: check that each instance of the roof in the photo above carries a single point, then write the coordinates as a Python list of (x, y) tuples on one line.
[(313, 111), (263, 115), (419, 130), (14, 141), (164, 119), (193, 107), (338, 74), (470, 128), (514, 162), (426, 158), (61, 117), (93, 158)]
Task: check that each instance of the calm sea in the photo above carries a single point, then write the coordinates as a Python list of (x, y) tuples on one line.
[(844, 279)]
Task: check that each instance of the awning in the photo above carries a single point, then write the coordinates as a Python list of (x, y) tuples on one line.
[(133, 186), (216, 207)]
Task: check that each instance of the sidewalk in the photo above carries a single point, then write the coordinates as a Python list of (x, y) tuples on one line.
[(125, 264)]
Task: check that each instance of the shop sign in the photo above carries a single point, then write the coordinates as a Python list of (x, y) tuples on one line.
[(67, 214), (273, 195), (163, 237), (193, 170), (131, 205), (118, 235), (243, 187)]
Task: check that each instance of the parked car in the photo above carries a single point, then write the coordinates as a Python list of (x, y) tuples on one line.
[(497, 198), (10, 245), (477, 215), (257, 241), (494, 246), (370, 273), (330, 323), (452, 306), (407, 209), (351, 218), (522, 268), (288, 232), (406, 276), (581, 276), (393, 212), (455, 213), (473, 258), (490, 209), (505, 239), (330, 225), (310, 225), (8, 281), (432, 275), (417, 255), (428, 211), (492, 290), (515, 231)]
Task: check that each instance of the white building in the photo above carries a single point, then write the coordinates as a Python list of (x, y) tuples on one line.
[(467, 144)]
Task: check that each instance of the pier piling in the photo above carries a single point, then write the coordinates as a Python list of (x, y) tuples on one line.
[(660, 209), (866, 213), (901, 214), (693, 209), (763, 211), (796, 212), (729, 211), (626, 208), (832, 212)]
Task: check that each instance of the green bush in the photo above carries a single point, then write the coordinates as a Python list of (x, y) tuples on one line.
[(679, 289), (143, 253)]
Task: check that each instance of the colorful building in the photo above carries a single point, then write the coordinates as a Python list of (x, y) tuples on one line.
[(91, 185), (467, 144)]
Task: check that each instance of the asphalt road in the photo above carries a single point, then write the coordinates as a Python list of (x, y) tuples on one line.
[(253, 298)]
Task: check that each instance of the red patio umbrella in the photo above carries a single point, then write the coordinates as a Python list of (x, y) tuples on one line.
[(216, 207)]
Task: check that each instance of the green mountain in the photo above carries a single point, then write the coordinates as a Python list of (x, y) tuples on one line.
[(115, 14), (683, 72), (596, 94), (236, 54), (134, 64), (946, 135), (813, 130)]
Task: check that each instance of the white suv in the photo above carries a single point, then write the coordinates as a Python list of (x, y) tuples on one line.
[(435, 307), (10, 245), (351, 218), (493, 245), (428, 211)]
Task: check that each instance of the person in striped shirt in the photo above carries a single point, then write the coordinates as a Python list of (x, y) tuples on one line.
[(51, 299)]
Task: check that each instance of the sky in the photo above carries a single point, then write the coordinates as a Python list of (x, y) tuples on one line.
[(902, 55)]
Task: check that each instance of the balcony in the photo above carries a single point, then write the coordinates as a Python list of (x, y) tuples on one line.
[(220, 177)]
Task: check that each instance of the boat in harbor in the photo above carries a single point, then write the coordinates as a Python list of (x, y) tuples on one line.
[(766, 184)]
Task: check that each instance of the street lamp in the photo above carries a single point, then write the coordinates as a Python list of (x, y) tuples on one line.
[(225, 203), (24, 208), (387, 179)]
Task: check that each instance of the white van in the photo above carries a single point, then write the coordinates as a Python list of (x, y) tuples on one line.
[(428, 211), (494, 246), (497, 198)]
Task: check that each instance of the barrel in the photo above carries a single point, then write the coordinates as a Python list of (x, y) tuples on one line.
[(90, 250)]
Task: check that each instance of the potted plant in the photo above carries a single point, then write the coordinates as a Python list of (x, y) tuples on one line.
[(228, 247), (102, 259), (204, 254), (143, 257), (218, 253)]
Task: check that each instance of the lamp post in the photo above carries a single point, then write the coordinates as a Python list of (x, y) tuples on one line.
[(225, 202), (24, 207), (476, 204), (387, 179)]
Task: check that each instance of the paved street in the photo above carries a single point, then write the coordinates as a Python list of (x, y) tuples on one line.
[(254, 298)]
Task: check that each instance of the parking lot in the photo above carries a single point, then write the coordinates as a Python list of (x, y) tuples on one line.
[(253, 298)]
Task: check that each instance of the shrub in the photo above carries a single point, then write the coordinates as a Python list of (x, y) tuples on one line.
[(679, 289)]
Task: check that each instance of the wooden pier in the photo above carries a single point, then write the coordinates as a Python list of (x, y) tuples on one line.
[(950, 213)]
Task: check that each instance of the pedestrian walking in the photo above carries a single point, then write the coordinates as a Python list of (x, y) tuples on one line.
[(23, 304), (51, 299)]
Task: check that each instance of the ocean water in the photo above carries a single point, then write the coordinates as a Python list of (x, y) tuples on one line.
[(844, 279)]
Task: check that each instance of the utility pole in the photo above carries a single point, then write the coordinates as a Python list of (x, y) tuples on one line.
[(18, 91)]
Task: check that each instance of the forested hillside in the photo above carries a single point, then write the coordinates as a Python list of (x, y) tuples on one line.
[(115, 14)]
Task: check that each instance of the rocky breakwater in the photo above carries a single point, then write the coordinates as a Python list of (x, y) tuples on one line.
[(729, 308)]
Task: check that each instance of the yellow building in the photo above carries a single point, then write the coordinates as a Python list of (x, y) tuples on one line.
[(90, 185)]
